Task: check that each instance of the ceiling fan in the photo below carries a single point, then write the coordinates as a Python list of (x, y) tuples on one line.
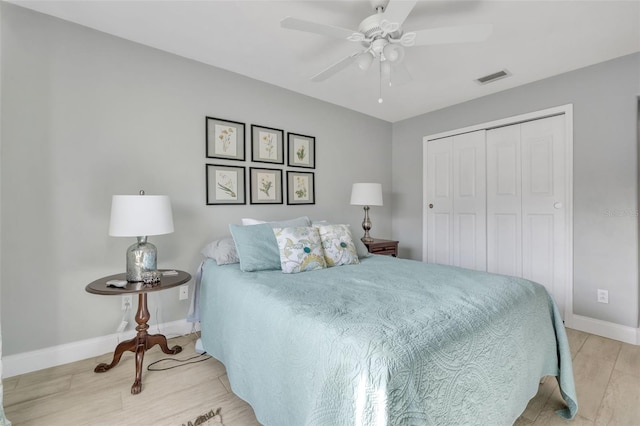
[(383, 39)]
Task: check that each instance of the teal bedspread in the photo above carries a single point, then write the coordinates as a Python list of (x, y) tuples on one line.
[(387, 342)]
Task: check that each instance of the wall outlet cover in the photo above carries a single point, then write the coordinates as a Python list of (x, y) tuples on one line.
[(184, 292), (603, 296)]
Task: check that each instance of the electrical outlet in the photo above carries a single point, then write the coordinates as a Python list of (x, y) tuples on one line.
[(603, 296), (184, 292), (126, 302)]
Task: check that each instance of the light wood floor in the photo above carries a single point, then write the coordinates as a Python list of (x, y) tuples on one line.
[(607, 374)]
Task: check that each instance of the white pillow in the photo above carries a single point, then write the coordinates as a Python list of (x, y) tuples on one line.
[(222, 250), (249, 221), (300, 249), (337, 245)]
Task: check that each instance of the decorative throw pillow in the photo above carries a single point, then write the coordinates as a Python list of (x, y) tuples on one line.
[(222, 250), (337, 245), (360, 247), (300, 249), (257, 246)]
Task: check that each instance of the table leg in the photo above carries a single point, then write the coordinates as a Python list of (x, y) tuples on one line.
[(136, 388), (139, 344), (128, 345), (159, 339)]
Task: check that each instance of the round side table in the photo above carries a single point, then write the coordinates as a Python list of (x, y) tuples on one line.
[(143, 341)]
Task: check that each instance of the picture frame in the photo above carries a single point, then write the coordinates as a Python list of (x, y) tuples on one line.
[(266, 186), (300, 188), (225, 139), (301, 150), (267, 145), (225, 184)]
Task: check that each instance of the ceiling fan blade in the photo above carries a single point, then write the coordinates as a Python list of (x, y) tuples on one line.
[(398, 10), (316, 28), (399, 74), (458, 34), (335, 68)]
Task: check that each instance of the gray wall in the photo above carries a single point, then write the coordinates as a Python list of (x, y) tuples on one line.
[(605, 175), (86, 115)]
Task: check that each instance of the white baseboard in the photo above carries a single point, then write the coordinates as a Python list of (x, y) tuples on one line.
[(27, 362), (610, 330)]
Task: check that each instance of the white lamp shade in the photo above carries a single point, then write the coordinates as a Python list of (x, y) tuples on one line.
[(140, 215), (366, 194)]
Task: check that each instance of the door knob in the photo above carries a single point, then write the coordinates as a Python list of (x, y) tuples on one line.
[(430, 206), (557, 205)]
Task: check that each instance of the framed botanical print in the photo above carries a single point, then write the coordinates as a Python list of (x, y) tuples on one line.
[(225, 139), (266, 186), (267, 145), (225, 184), (300, 188), (301, 150)]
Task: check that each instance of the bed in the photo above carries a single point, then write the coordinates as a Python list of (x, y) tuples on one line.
[(386, 341)]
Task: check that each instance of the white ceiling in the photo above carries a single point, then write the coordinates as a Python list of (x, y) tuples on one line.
[(532, 39)]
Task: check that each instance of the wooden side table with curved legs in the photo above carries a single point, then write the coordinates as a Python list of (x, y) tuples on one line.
[(143, 340)]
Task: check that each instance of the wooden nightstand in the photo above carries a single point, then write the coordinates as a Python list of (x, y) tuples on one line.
[(378, 246)]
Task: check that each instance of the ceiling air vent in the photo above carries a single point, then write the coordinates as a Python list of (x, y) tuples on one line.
[(493, 77)]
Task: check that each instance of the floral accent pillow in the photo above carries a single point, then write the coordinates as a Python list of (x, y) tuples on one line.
[(337, 245), (300, 249)]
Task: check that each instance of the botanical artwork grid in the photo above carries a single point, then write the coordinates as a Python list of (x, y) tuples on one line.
[(263, 188)]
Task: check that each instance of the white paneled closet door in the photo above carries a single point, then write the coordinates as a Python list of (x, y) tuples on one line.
[(526, 201), (439, 191), (504, 201), (456, 197), (543, 204)]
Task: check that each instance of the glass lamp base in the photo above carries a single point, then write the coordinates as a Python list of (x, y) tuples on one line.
[(141, 258), (366, 225)]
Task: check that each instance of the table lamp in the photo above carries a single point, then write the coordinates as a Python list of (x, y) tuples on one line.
[(366, 194), (140, 216)]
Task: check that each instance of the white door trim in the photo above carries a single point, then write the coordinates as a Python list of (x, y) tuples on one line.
[(567, 110)]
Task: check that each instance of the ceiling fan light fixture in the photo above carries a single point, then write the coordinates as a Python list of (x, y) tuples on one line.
[(365, 60), (393, 52)]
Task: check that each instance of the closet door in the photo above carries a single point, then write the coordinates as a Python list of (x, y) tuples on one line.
[(469, 201), (526, 202), (504, 201), (439, 191), (456, 202), (543, 204)]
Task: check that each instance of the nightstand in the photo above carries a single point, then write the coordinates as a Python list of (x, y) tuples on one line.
[(378, 246), (143, 340)]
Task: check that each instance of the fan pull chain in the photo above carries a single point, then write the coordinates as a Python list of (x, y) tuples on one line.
[(380, 73)]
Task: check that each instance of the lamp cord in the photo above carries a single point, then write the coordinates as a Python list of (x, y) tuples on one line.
[(181, 362)]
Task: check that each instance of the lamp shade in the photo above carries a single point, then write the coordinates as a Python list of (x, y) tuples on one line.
[(366, 194), (140, 215)]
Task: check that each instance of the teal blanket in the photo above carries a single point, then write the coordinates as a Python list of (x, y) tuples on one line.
[(387, 342)]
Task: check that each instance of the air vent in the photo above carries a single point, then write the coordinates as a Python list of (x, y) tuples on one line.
[(493, 77)]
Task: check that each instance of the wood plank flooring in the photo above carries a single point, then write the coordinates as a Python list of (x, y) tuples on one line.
[(607, 374)]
